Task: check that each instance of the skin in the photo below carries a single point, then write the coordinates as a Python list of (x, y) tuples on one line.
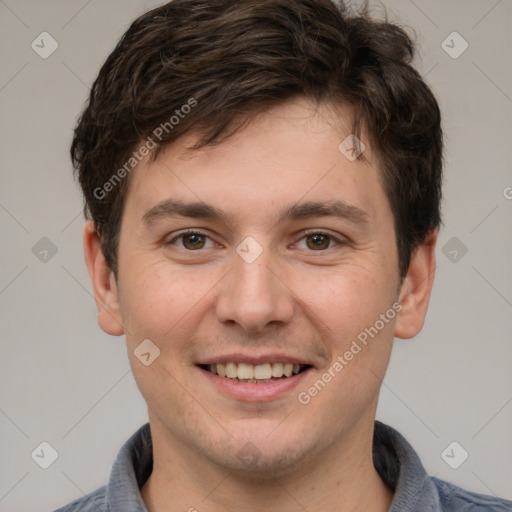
[(296, 299)]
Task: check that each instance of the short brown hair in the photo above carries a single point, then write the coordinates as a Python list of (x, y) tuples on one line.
[(201, 64)]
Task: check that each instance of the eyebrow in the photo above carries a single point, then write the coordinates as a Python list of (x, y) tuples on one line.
[(170, 208)]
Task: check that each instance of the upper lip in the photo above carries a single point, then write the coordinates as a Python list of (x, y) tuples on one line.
[(254, 360)]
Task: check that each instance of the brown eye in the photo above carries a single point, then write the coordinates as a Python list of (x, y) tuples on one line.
[(192, 241), (318, 241)]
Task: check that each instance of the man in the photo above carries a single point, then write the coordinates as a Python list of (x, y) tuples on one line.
[(263, 183)]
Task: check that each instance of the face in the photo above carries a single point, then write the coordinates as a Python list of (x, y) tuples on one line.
[(270, 253)]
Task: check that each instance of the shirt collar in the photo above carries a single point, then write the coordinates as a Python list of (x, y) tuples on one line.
[(401, 469), (394, 458), (130, 471)]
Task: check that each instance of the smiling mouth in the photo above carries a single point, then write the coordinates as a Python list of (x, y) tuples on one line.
[(255, 374)]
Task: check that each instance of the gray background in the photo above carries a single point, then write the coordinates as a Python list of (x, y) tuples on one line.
[(65, 382)]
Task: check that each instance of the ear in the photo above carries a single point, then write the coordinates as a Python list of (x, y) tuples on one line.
[(416, 288), (103, 282)]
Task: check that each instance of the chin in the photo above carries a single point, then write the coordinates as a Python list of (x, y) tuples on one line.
[(264, 466), (262, 460)]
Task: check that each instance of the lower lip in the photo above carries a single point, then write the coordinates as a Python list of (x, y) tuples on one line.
[(248, 392)]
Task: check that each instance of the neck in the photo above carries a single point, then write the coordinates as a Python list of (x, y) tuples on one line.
[(342, 479)]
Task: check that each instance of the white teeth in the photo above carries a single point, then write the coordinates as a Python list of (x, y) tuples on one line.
[(254, 373), (246, 371), (231, 370), (288, 369), (277, 370), (261, 371)]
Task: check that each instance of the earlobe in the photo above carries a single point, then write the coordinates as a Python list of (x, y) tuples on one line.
[(416, 289), (103, 282)]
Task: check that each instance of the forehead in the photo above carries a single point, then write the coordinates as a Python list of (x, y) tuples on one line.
[(296, 151)]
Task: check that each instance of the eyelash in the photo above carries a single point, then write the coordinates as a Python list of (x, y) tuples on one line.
[(332, 238)]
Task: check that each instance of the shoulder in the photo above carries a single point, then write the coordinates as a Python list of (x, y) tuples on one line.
[(94, 502), (456, 499)]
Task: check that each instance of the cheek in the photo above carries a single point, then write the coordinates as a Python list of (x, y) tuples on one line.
[(164, 306), (158, 302), (345, 301), (347, 307)]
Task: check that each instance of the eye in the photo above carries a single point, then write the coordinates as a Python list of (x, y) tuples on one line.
[(195, 240), (192, 241), (317, 241)]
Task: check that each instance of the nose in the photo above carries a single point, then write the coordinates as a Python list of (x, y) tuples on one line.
[(254, 295)]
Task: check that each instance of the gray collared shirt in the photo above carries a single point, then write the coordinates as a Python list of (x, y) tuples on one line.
[(394, 458)]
